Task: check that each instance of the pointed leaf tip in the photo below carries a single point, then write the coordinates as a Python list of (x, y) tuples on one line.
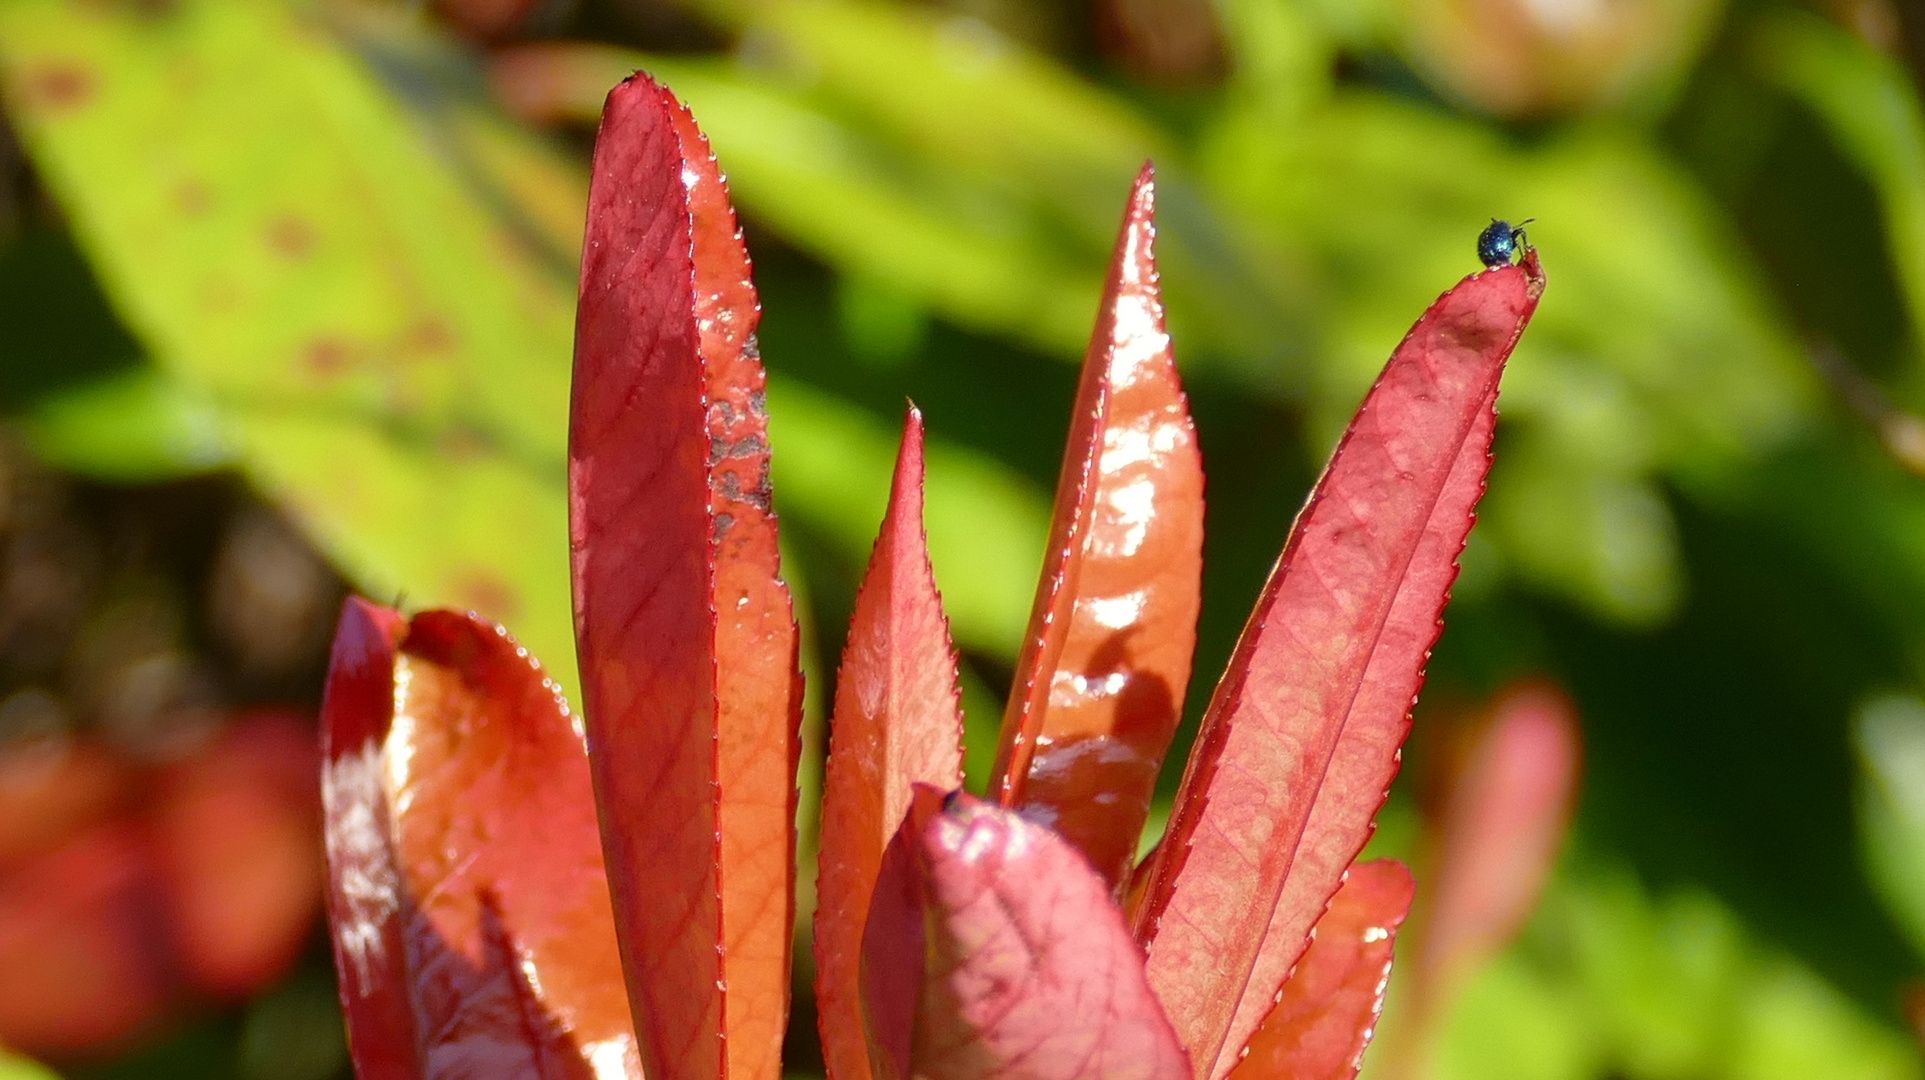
[(467, 899), (897, 724), (1301, 738), (1329, 1007), (1099, 684), (684, 630), (1030, 970)]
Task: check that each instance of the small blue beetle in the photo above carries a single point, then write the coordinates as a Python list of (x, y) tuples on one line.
[(1501, 243)]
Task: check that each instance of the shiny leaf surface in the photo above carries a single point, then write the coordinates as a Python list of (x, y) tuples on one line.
[(1366, 757), (686, 640), (897, 723), (1099, 685), (1309, 658), (1027, 967), (1329, 1006), (472, 928)]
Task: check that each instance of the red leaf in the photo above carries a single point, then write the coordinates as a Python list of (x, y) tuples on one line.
[(1328, 1011), (1099, 686), (898, 722), (84, 963), (1029, 970), (1503, 822), (1336, 644), (472, 927), (684, 630), (1367, 753), (233, 830)]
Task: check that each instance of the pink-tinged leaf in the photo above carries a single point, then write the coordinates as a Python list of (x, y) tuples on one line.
[(1368, 750), (684, 630), (893, 945), (1336, 644), (1504, 820), (898, 722), (1029, 970), (472, 929), (1328, 1011), (1099, 685)]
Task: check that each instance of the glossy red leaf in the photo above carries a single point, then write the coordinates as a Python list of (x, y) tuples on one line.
[(1099, 684), (684, 629), (1328, 1010), (1367, 753), (898, 722), (1503, 822), (472, 929), (1028, 969), (1343, 626)]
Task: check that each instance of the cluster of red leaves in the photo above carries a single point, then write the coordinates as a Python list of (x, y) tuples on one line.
[(129, 889), (515, 894)]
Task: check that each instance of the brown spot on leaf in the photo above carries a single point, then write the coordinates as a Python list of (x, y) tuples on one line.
[(431, 335), (463, 443), (291, 237), (60, 85), (327, 356), (485, 593), (193, 197)]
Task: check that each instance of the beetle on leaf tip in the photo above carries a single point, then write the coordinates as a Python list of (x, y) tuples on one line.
[(1501, 243)]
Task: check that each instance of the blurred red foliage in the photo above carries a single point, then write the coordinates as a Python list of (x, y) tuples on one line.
[(130, 890)]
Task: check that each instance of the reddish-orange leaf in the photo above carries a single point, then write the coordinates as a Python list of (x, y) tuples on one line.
[(1503, 822), (1099, 685), (1317, 649), (1028, 969), (1329, 1007), (84, 968), (233, 831), (898, 722), (1367, 753), (472, 928), (684, 629)]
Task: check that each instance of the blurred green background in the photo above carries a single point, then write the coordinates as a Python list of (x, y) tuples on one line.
[(286, 297)]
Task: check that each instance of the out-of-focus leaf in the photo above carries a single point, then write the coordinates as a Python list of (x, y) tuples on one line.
[(1337, 641), (958, 241), (284, 240), (233, 834), (965, 97), (897, 724), (140, 426), (1329, 1005), (1654, 366), (470, 911), (686, 635), (19, 1068), (1890, 740), (1513, 58), (832, 188), (1503, 822), (1027, 966), (1871, 108), (84, 969), (1099, 684), (129, 887), (986, 524), (1612, 980)]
